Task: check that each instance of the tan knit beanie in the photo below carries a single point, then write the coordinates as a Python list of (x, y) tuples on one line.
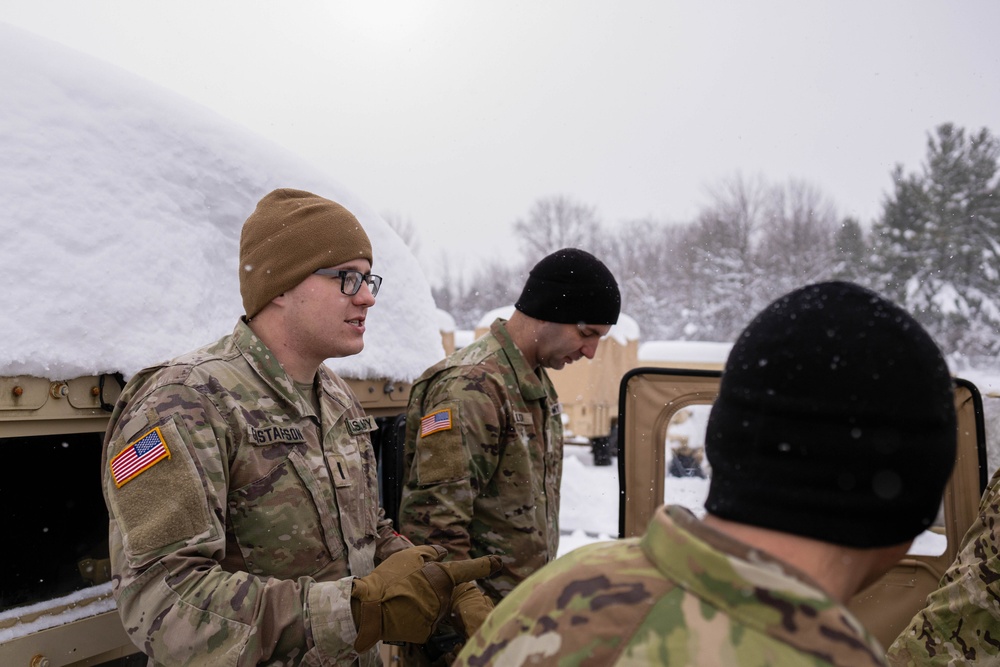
[(290, 235)]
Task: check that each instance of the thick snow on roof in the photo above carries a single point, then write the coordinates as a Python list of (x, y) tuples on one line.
[(120, 212), (684, 350), (487, 319), (445, 321), (624, 330)]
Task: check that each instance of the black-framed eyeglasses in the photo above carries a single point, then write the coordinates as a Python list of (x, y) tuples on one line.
[(350, 280)]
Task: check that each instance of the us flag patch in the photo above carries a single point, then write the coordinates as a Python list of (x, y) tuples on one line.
[(140, 455), (435, 421)]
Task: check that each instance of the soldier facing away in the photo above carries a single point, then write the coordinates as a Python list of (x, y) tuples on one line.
[(241, 481), (830, 442), (484, 435)]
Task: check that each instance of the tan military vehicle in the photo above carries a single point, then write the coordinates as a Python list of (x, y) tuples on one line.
[(588, 388), (659, 405)]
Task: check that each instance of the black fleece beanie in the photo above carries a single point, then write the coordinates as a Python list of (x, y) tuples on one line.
[(571, 286), (835, 420)]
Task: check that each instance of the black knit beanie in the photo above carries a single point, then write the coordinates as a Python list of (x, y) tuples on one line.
[(835, 420), (571, 286)]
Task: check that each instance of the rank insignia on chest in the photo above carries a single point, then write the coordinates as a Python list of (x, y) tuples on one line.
[(555, 409), (140, 455), (361, 425), (435, 421)]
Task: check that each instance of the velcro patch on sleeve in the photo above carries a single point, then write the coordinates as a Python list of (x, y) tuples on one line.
[(443, 457), (435, 421), (140, 455), (166, 502)]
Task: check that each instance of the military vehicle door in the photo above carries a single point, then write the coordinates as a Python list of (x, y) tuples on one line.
[(662, 419)]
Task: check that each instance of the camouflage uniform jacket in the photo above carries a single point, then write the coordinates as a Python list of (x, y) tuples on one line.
[(238, 516), (484, 477), (960, 623), (683, 594)]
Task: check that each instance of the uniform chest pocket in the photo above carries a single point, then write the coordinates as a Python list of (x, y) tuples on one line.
[(282, 521)]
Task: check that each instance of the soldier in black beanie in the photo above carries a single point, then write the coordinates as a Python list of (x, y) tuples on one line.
[(570, 286), (484, 431), (835, 420), (833, 435)]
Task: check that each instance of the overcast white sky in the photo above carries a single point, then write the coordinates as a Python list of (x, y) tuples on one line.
[(459, 115)]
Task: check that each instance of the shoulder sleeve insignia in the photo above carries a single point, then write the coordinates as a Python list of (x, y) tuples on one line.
[(435, 421), (140, 455)]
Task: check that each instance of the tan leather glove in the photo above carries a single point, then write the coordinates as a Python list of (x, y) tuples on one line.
[(409, 592), (469, 608)]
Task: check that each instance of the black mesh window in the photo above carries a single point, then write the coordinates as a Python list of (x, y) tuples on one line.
[(56, 527)]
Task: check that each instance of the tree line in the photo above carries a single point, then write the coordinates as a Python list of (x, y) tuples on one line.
[(934, 249)]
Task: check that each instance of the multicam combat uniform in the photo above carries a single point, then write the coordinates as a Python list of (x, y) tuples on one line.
[(239, 515), (484, 476), (683, 594), (960, 623)]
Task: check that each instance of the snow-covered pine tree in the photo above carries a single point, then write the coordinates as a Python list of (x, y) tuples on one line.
[(937, 243)]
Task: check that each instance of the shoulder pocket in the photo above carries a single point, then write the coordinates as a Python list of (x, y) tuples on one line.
[(440, 451), (165, 501)]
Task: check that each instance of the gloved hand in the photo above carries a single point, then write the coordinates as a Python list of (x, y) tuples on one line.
[(409, 592), (469, 608)]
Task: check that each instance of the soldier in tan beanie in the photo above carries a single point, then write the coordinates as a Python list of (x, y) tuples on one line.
[(290, 235), (241, 482)]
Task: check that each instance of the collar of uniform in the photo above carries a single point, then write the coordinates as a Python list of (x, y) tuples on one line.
[(741, 579), (333, 388), (532, 385), (266, 365), (678, 527)]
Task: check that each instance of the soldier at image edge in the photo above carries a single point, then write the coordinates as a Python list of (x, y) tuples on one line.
[(831, 440), (484, 433), (960, 622), (241, 482)]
